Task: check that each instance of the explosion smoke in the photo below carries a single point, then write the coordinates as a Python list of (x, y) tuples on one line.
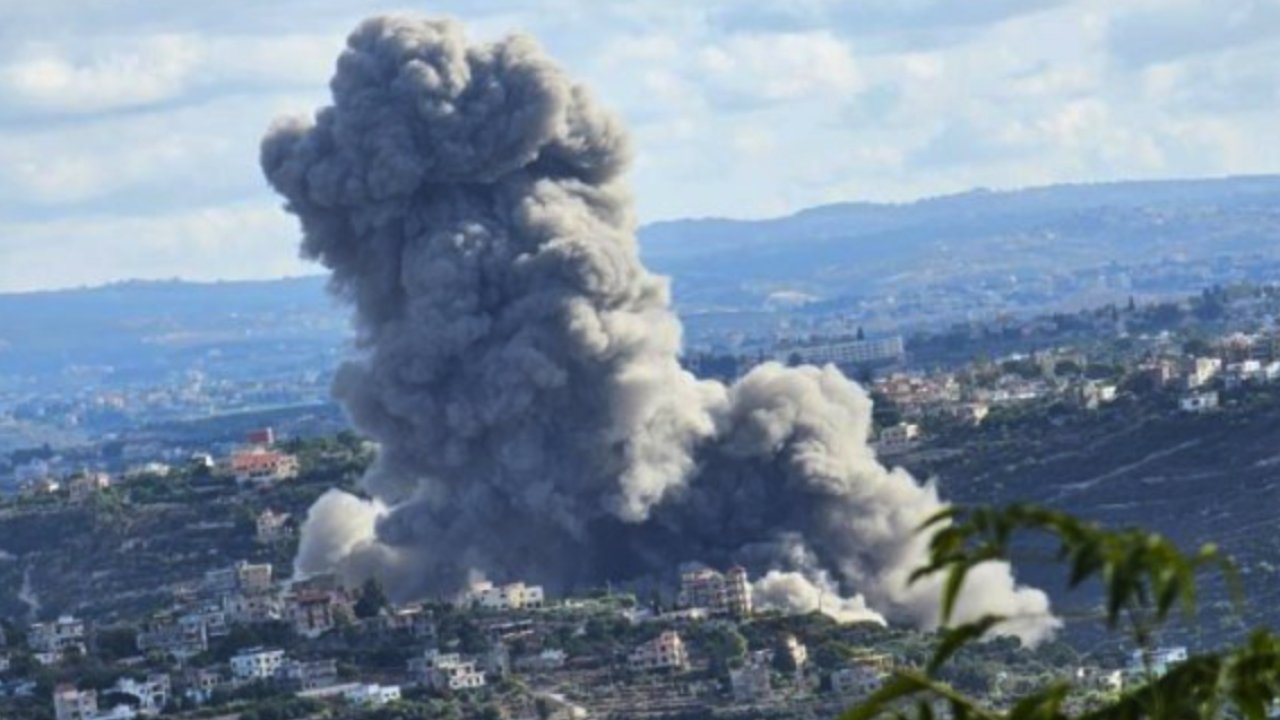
[(518, 364)]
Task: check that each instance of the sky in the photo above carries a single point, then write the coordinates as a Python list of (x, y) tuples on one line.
[(129, 129)]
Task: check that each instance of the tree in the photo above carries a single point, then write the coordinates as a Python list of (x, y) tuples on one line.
[(1144, 579), (725, 646), (372, 600)]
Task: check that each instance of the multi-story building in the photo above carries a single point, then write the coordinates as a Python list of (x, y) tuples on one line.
[(53, 641), (513, 596), (178, 636), (257, 664), (311, 674), (86, 484), (69, 703), (446, 671), (413, 620), (200, 684), (316, 612), (727, 593), (665, 652), (253, 577), (898, 438), (260, 466), (845, 352), (152, 694)]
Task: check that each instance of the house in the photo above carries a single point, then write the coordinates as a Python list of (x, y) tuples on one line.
[(271, 527), (1158, 661), (795, 651), (201, 683), (260, 466), (446, 671), (253, 577), (178, 636), (86, 484), (70, 703), (725, 594), (257, 664), (898, 438), (513, 596), (316, 612), (151, 694), (243, 576), (262, 437), (751, 683), (53, 641), (1199, 402), (413, 620), (547, 660), (372, 694), (665, 652), (147, 469), (311, 674), (1202, 370), (863, 676), (248, 609)]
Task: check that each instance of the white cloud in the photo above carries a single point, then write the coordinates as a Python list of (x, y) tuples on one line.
[(136, 120), (253, 241), (44, 79), (780, 67)]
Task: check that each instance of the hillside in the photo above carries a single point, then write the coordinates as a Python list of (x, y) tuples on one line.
[(869, 249)]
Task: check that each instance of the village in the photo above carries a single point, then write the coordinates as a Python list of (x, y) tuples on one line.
[(224, 634)]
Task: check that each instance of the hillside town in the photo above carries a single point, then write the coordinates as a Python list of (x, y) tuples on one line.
[(226, 627)]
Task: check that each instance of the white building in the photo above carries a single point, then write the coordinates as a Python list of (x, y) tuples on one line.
[(152, 694), (446, 671), (796, 652), (845, 352), (311, 674), (372, 694), (513, 596), (53, 641), (727, 593), (70, 703), (263, 467), (257, 664), (1158, 660), (178, 636), (271, 526), (665, 652), (1199, 402), (898, 438), (86, 484)]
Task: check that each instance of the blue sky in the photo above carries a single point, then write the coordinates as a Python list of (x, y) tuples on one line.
[(129, 128)]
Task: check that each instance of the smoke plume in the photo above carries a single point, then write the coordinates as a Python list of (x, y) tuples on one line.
[(518, 364)]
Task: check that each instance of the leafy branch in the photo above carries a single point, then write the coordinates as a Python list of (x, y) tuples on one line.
[(1144, 577)]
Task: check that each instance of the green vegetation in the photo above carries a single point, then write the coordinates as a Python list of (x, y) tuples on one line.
[(1144, 579)]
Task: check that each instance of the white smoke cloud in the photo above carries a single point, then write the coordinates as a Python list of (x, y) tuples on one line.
[(519, 364), (792, 592)]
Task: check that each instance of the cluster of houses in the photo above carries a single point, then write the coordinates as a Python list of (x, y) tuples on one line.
[(254, 463), (1231, 363), (247, 593)]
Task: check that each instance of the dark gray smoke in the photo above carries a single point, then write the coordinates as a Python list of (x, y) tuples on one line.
[(518, 364)]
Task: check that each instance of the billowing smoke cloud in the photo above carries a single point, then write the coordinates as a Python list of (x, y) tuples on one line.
[(518, 364)]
